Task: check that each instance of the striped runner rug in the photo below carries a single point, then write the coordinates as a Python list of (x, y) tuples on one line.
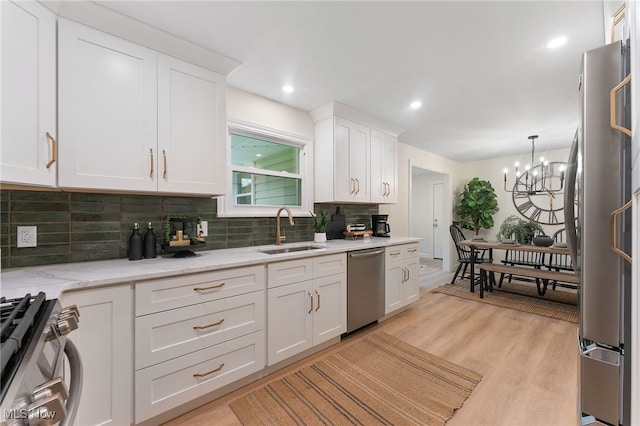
[(378, 380)]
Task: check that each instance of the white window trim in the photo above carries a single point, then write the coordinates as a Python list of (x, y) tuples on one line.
[(226, 207)]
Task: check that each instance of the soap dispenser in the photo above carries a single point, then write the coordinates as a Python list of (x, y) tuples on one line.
[(149, 243), (135, 243)]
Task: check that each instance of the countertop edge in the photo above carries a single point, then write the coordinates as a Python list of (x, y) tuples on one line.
[(57, 279)]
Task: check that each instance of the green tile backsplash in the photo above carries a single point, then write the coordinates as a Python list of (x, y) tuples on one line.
[(75, 227)]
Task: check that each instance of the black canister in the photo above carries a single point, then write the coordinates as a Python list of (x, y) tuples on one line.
[(149, 243), (135, 243)]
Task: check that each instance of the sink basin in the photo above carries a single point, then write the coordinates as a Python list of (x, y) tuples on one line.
[(291, 249)]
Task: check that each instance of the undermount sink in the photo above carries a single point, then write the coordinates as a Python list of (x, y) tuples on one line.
[(291, 249)]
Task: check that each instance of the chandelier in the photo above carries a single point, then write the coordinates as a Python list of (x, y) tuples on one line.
[(537, 179)]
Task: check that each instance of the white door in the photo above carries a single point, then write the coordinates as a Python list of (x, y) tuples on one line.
[(351, 161), (191, 128), (28, 94), (107, 106), (330, 307), (439, 227)]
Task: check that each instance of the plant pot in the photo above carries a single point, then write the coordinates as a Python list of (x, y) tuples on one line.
[(320, 237), (542, 241)]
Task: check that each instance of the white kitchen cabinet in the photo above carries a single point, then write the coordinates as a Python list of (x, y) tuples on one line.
[(191, 128), (105, 340), (196, 333), (307, 312), (131, 119), (355, 157), (401, 277), (28, 148), (384, 163)]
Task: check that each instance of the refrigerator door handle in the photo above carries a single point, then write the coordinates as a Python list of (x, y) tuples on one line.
[(614, 226), (612, 107), (569, 199)]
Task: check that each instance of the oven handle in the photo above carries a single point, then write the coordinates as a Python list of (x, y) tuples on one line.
[(75, 385)]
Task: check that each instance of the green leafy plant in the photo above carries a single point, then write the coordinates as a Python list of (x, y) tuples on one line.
[(320, 221), (476, 205), (521, 230)]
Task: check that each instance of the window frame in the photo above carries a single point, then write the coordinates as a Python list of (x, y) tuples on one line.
[(226, 206)]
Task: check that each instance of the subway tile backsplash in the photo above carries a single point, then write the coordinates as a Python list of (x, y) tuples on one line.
[(75, 227)]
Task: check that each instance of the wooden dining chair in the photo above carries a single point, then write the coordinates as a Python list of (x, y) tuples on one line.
[(464, 253), (522, 258), (560, 262)]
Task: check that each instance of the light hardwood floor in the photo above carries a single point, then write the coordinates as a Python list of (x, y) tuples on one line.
[(528, 362)]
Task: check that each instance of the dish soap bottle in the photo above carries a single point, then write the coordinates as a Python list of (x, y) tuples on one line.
[(149, 243), (135, 243)]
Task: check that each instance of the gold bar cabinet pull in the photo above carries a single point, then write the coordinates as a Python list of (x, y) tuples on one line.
[(215, 370), (318, 294), (213, 287), (203, 327), (151, 155), (164, 159), (54, 149)]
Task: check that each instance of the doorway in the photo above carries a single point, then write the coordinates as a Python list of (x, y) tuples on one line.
[(429, 219)]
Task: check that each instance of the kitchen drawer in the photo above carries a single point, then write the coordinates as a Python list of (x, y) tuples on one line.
[(401, 252), (184, 290), (329, 265), (163, 386), (166, 335), (291, 271)]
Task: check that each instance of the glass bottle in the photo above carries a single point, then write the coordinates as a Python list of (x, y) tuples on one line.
[(149, 243), (135, 243)]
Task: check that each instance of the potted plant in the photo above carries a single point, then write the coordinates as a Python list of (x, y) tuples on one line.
[(320, 226), (476, 205), (522, 231)]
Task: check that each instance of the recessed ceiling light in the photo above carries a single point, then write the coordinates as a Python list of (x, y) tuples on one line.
[(258, 155), (287, 89), (557, 42), (416, 104)]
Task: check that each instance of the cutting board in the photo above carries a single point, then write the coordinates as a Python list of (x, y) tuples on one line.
[(336, 226)]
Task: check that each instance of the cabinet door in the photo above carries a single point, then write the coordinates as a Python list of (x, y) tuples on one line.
[(351, 161), (330, 308), (28, 94), (411, 287), (289, 320), (384, 149), (105, 340), (107, 105), (393, 294), (192, 128)]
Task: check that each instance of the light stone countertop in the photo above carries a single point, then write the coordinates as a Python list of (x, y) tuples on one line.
[(59, 278)]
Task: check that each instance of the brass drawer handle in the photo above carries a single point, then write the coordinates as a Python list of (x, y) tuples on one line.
[(202, 327), (318, 294), (310, 301), (54, 150), (213, 287), (215, 370)]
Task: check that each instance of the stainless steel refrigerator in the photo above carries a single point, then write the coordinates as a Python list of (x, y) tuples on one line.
[(599, 234)]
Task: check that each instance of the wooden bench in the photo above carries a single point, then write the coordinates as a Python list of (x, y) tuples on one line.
[(538, 274)]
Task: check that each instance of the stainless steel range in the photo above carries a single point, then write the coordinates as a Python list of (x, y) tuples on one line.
[(33, 390)]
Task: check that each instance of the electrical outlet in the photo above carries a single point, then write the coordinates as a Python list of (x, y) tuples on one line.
[(204, 228), (27, 236)]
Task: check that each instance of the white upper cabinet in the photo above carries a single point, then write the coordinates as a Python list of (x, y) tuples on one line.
[(28, 148), (191, 128), (384, 153), (107, 101), (131, 119), (355, 157)]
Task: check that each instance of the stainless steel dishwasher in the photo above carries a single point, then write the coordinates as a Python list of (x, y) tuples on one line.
[(365, 287)]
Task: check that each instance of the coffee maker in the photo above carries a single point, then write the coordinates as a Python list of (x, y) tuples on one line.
[(379, 225)]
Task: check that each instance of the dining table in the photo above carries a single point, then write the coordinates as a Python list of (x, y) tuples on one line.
[(477, 244)]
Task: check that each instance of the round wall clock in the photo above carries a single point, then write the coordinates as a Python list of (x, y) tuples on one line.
[(542, 202)]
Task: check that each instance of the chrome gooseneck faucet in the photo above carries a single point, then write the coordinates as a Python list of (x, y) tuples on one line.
[(279, 238)]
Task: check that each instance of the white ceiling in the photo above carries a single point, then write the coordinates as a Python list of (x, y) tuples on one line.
[(480, 68)]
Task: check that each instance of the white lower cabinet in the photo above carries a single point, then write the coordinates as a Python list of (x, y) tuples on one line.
[(105, 340), (196, 333), (305, 311), (401, 276)]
